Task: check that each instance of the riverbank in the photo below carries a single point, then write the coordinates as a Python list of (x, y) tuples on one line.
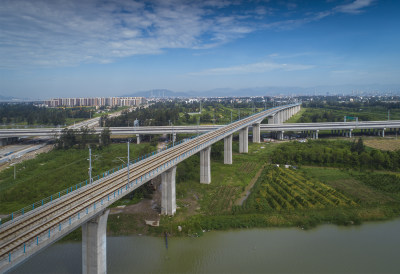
[(326, 205)]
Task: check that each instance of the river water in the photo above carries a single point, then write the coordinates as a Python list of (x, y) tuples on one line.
[(369, 248)]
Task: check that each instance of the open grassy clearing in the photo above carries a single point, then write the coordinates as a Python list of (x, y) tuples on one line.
[(383, 143), (227, 182), (348, 183), (57, 170)]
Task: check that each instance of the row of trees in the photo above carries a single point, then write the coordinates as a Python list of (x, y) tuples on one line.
[(177, 113), (30, 114), (336, 154), (81, 138)]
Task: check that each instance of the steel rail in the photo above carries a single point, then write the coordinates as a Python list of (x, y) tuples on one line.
[(65, 208)]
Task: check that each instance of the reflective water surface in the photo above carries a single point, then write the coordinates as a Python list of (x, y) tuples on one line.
[(369, 248)]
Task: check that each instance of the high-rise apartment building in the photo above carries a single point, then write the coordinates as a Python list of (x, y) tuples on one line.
[(96, 101)]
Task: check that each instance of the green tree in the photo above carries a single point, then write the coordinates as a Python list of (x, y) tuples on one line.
[(105, 137)]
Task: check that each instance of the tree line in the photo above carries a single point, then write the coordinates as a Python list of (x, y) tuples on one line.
[(82, 137), (31, 114), (336, 154)]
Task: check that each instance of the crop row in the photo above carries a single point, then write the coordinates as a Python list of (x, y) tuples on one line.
[(284, 189)]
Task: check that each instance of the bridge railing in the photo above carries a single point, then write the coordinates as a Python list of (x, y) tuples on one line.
[(8, 219), (27, 209)]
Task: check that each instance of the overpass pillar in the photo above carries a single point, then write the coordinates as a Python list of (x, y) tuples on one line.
[(316, 134), (138, 138), (244, 140), (228, 150), (94, 244), (205, 165), (174, 137), (383, 132), (280, 135), (256, 133), (270, 120), (168, 196), (350, 132)]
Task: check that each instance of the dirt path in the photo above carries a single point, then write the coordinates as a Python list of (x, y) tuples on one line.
[(247, 191)]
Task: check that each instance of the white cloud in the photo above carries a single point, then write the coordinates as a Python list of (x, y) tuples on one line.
[(355, 7), (61, 33), (260, 67), (50, 33)]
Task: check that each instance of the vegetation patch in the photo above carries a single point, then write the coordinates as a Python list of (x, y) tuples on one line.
[(57, 170), (383, 144), (334, 153)]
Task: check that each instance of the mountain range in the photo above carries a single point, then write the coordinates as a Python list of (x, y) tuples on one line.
[(275, 91)]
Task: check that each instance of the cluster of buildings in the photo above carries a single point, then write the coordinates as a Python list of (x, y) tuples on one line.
[(96, 102)]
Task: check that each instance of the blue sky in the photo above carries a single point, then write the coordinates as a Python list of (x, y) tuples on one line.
[(59, 48)]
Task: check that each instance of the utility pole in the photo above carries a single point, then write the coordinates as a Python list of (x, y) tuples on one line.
[(198, 124), (90, 165), (173, 137), (128, 159), (169, 123)]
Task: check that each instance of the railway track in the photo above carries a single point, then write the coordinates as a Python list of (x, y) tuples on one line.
[(27, 228)]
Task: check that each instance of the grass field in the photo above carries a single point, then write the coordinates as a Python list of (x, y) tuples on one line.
[(383, 144), (297, 116), (57, 170), (348, 183)]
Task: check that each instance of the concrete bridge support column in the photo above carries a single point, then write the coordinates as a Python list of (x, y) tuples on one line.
[(350, 133), (168, 196), (383, 132), (94, 244), (3, 142), (137, 139), (256, 133), (205, 165), (228, 150), (316, 134), (280, 135), (270, 120), (244, 140)]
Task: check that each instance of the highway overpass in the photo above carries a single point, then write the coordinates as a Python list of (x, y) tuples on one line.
[(281, 127), (27, 231)]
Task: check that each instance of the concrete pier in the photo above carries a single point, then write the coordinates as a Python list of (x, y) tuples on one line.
[(94, 244), (256, 133), (228, 150), (138, 138), (168, 193), (205, 165), (270, 120), (280, 135), (244, 140)]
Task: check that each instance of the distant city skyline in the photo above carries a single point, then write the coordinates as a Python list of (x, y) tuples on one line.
[(96, 48)]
